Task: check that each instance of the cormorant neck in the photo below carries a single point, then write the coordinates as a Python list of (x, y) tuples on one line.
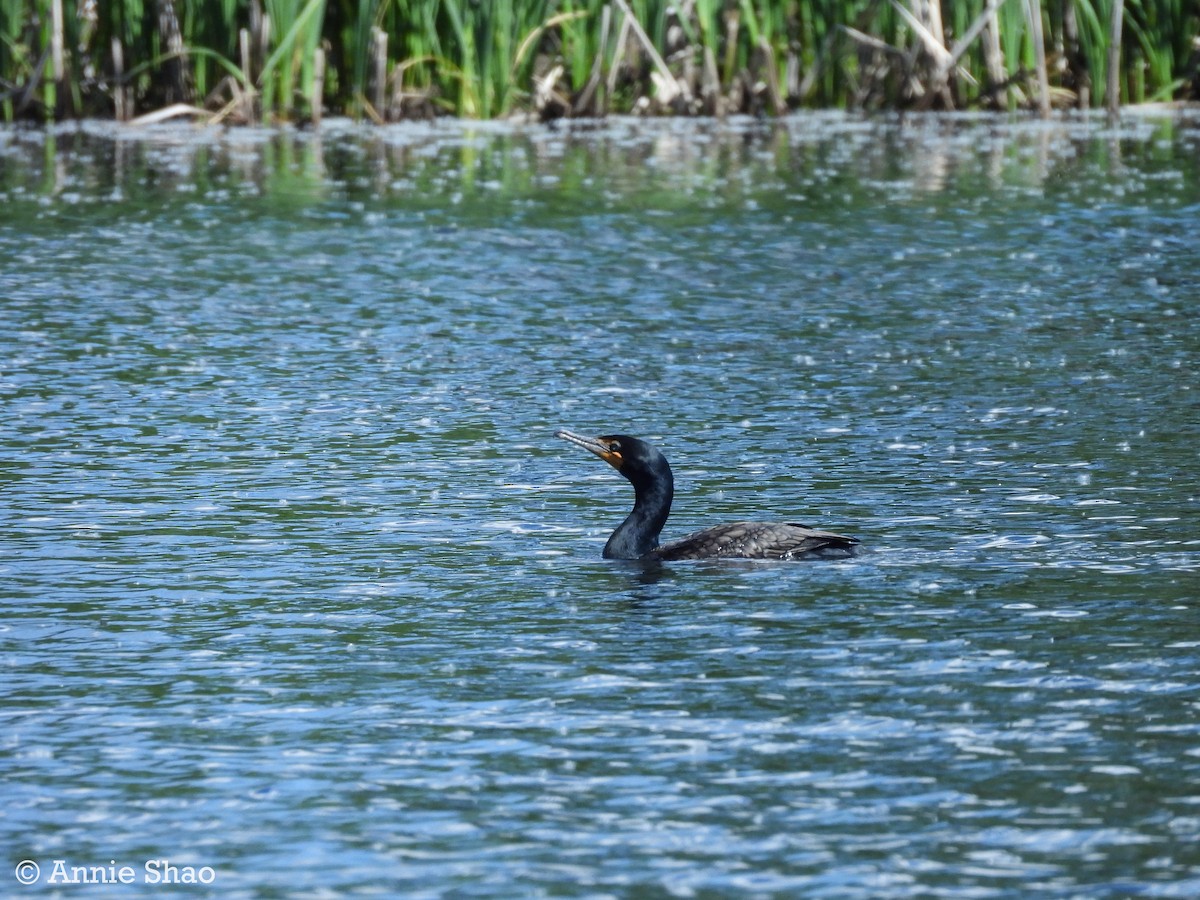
[(638, 534)]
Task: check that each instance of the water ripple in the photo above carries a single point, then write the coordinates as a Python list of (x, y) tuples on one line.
[(298, 584)]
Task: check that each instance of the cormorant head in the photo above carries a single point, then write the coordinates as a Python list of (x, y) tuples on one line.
[(653, 488), (638, 461)]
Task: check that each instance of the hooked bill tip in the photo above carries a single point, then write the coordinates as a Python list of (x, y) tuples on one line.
[(570, 436), (588, 443)]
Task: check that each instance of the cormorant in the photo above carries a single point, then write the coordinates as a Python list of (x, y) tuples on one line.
[(654, 486)]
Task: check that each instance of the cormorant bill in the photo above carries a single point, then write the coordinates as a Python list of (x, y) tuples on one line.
[(653, 489)]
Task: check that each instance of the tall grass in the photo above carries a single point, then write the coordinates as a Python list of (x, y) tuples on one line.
[(389, 59)]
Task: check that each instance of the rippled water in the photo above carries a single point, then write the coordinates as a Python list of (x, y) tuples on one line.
[(297, 584)]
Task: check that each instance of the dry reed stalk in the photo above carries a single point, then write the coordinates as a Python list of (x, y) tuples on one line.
[(1112, 91), (871, 41), (173, 111), (710, 87), (175, 60), (57, 68), (369, 109), (546, 99), (243, 100), (933, 18), (873, 63), (670, 85), (118, 59), (689, 75), (316, 102), (408, 104), (777, 104), (618, 54), (231, 104), (244, 53), (1055, 49), (791, 79), (934, 45), (606, 24), (396, 88), (733, 23), (1075, 61), (378, 55), (942, 73), (592, 96), (264, 37), (931, 15), (993, 56), (923, 21), (255, 24), (1033, 10), (973, 31)]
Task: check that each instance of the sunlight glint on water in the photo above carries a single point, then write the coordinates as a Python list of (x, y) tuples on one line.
[(299, 585)]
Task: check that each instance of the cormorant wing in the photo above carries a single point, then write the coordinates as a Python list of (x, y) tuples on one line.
[(757, 540)]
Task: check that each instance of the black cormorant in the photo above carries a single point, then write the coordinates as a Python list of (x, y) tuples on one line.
[(654, 487)]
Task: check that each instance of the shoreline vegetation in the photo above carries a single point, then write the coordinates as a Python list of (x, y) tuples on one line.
[(273, 61)]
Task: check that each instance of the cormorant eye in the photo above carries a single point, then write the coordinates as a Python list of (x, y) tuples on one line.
[(614, 447)]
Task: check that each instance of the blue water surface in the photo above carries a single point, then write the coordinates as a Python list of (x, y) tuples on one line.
[(299, 590)]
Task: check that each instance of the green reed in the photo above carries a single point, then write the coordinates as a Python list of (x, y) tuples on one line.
[(387, 59)]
